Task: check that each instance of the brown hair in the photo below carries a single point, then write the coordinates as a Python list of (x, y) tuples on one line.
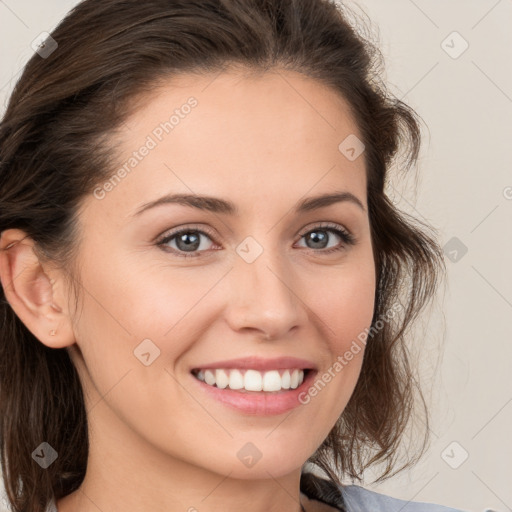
[(54, 150)]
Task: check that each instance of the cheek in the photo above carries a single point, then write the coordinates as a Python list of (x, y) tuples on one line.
[(133, 301), (344, 306), (345, 303)]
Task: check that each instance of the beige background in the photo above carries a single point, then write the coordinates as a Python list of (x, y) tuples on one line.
[(464, 190)]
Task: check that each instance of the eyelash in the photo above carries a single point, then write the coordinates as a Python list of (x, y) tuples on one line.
[(345, 235)]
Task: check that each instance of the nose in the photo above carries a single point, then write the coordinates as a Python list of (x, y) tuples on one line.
[(264, 297)]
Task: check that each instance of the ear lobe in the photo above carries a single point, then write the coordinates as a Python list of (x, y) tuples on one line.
[(31, 292)]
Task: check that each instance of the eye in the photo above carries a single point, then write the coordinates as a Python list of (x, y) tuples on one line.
[(188, 241), (321, 235)]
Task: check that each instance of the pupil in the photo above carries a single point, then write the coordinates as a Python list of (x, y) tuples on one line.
[(318, 237), (189, 246)]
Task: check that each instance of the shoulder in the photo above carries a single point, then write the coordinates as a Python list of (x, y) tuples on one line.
[(359, 499), (353, 498)]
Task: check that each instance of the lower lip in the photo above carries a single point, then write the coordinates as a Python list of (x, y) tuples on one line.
[(259, 403)]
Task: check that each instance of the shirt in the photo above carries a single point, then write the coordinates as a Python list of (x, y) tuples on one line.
[(353, 498), (350, 498)]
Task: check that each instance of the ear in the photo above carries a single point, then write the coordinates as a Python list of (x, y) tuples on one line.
[(37, 298)]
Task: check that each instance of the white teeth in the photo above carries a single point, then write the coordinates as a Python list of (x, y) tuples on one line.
[(272, 381), (294, 379), (252, 380), (236, 380), (209, 377), (221, 379), (285, 380)]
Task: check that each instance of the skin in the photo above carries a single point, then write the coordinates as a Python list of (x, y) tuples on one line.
[(157, 442)]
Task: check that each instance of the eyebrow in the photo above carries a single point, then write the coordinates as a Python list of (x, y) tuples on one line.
[(218, 205)]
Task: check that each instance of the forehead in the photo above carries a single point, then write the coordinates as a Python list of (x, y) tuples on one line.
[(246, 134), (248, 99)]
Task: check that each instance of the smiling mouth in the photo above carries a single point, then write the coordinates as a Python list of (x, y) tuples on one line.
[(247, 380)]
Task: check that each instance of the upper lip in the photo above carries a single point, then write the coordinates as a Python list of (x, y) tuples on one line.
[(259, 363)]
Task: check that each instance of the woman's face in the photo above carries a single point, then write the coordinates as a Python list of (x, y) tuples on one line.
[(267, 280)]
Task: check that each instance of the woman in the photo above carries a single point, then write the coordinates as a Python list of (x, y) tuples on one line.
[(203, 276)]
